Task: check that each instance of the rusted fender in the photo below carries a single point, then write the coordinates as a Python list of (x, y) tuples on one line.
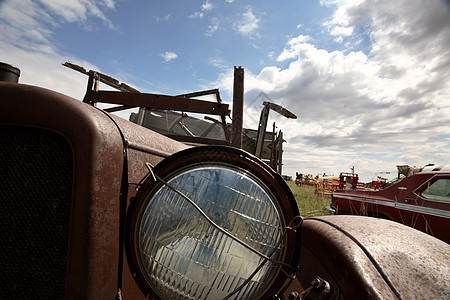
[(369, 258)]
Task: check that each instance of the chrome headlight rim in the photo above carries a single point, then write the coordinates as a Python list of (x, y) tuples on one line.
[(218, 156)]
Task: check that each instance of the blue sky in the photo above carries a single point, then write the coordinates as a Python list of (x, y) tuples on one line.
[(367, 79), (154, 39)]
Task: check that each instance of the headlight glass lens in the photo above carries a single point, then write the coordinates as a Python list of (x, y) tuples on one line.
[(185, 256)]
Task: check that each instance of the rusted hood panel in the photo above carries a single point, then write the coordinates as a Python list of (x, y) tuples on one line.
[(138, 137), (377, 258), (144, 146), (98, 155)]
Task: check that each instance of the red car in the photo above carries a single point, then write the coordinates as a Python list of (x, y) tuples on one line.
[(421, 201)]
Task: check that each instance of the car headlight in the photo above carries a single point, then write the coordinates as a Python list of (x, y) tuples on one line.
[(212, 223)]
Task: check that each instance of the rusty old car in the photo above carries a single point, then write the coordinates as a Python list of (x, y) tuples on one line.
[(96, 207)]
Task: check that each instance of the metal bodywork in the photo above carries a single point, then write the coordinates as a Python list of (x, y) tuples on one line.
[(369, 258), (402, 202), (109, 156)]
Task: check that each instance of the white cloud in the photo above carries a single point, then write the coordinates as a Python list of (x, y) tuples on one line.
[(214, 21), (368, 110), (218, 62), (79, 10), (29, 24), (44, 70), (20, 23), (196, 15), (26, 41), (168, 56), (206, 6), (248, 25), (296, 45), (165, 18), (109, 3), (213, 27), (341, 24)]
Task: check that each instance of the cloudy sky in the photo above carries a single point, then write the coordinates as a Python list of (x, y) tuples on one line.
[(368, 79)]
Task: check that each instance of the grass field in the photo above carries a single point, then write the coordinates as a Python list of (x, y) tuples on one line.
[(309, 204)]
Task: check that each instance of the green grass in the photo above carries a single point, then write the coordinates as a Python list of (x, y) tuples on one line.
[(309, 204)]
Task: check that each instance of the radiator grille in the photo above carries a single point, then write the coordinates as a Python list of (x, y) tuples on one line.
[(36, 168)]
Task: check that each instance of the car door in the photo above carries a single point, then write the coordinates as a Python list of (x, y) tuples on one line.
[(427, 208)]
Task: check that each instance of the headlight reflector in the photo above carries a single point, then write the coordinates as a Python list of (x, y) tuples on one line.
[(206, 230)]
